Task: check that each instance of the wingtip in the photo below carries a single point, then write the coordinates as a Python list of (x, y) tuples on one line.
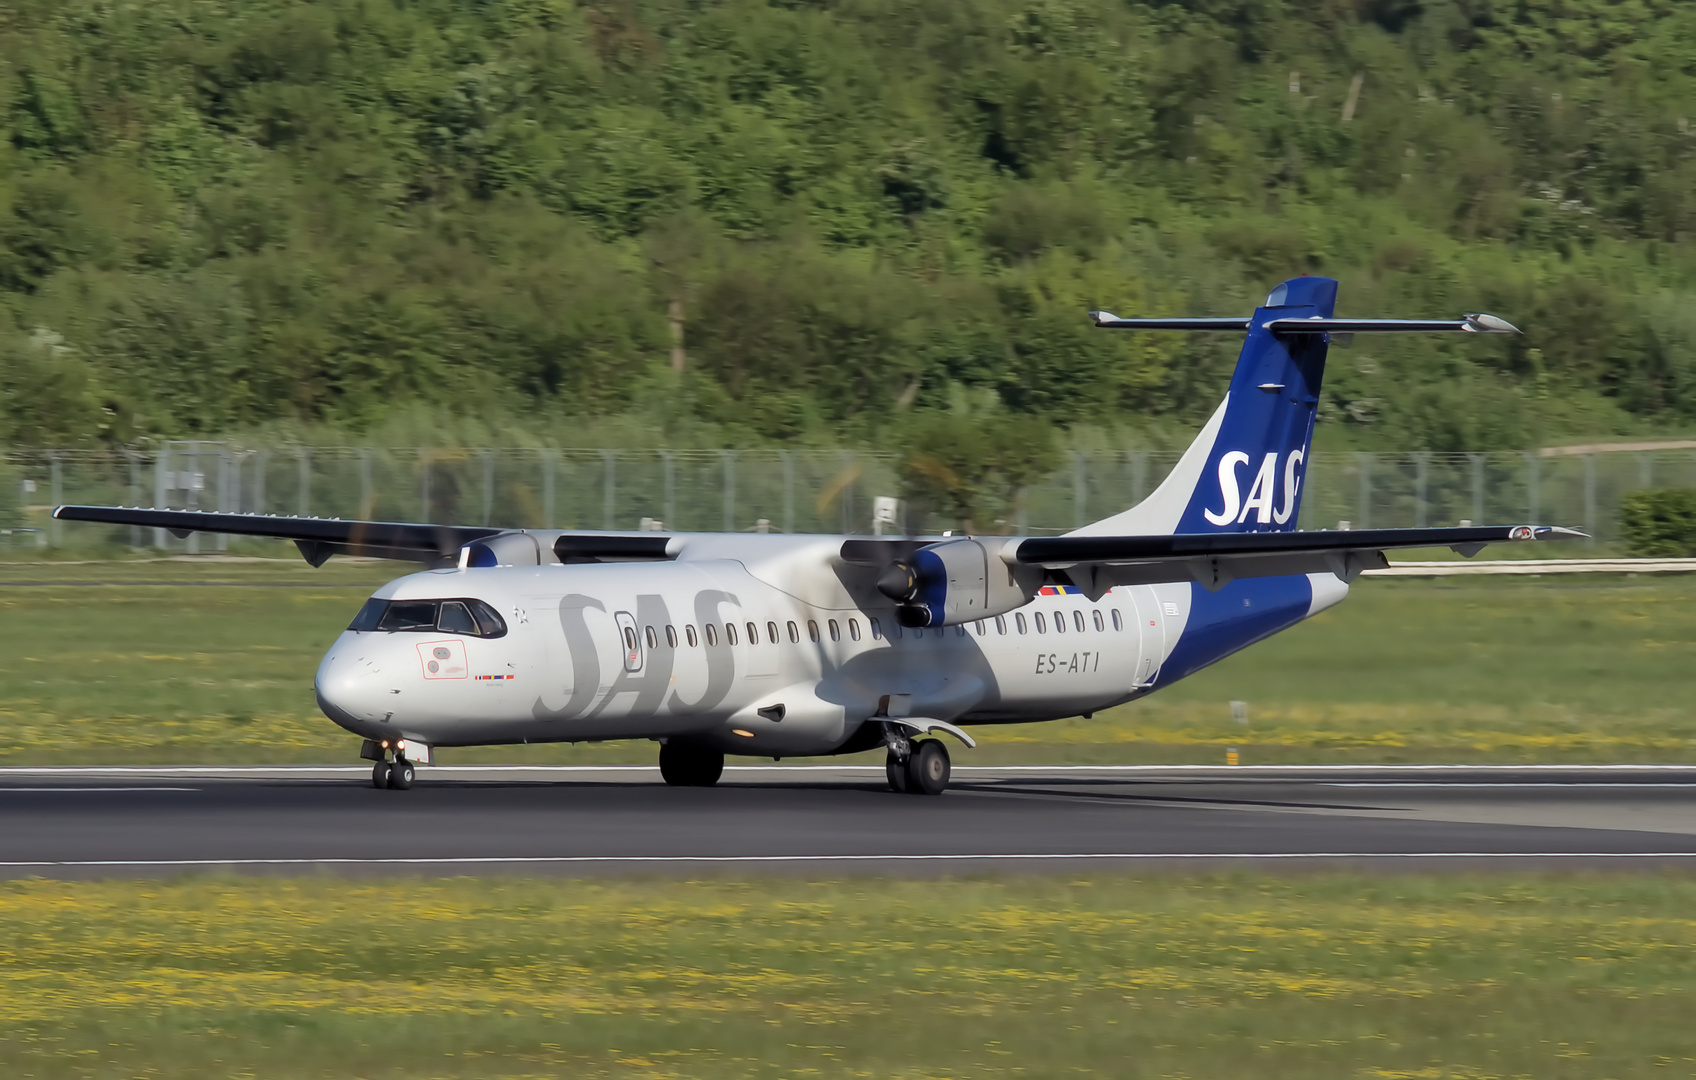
[(1480, 323), (1102, 318)]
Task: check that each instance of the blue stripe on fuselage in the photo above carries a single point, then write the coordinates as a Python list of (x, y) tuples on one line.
[(1235, 617)]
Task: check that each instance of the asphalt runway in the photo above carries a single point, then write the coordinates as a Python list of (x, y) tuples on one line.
[(836, 819)]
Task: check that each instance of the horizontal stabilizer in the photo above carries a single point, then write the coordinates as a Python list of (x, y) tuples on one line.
[(1110, 321), (1471, 324)]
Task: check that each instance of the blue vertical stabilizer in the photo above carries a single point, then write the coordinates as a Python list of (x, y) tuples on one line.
[(1244, 471)]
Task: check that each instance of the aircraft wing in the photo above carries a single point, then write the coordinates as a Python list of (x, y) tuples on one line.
[(1096, 563), (317, 538)]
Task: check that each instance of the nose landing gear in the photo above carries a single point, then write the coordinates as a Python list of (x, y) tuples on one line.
[(399, 773)]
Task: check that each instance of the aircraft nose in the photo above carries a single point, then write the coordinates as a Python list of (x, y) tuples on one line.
[(349, 685)]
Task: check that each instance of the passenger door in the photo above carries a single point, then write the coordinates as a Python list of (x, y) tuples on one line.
[(630, 640)]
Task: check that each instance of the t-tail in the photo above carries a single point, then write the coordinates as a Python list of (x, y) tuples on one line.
[(1244, 472)]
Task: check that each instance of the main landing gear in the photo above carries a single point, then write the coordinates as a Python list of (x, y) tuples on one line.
[(690, 766), (917, 768)]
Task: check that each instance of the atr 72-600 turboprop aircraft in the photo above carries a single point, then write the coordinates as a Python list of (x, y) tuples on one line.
[(778, 646)]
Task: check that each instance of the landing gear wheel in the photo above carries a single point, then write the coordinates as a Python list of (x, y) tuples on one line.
[(380, 775), (400, 774), (896, 769), (928, 768), (690, 766)]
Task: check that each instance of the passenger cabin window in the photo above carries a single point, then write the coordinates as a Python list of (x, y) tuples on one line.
[(877, 630), (1099, 625), (983, 630), (960, 630), (1078, 621), (730, 633), (835, 630), (1118, 623), (630, 640), (1041, 624), (689, 634), (1001, 626), (854, 629), (653, 638), (794, 633), (712, 634), (671, 636), (753, 634), (813, 630), (1019, 621), (771, 633)]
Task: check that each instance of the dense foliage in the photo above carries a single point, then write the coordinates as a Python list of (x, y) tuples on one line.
[(1660, 523), (215, 217)]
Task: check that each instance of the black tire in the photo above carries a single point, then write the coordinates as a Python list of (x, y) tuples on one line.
[(380, 775), (400, 774), (690, 766), (896, 770), (928, 768)]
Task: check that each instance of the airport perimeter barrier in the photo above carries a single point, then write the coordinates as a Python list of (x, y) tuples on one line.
[(780, 491)]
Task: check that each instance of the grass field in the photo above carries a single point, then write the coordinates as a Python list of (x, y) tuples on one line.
[(1309, 976), (213, 661)]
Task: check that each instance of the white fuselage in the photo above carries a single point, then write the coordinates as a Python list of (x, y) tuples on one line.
[(707, 667)]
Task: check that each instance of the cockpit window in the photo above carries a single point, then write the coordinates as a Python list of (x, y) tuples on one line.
[(455, 619), (409, 615), (489, 624), (369, 615), (463, 616)]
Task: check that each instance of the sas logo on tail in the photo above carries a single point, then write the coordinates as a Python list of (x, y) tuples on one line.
[(1260, 494)]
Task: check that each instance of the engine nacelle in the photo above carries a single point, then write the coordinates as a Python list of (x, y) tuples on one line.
[(957, 581), (503, 549)]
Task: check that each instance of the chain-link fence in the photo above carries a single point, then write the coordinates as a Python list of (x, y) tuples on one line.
[(789, 491)]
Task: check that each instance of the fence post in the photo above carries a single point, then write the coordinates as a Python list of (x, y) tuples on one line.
[(488, 457), (161, 489), (1421, 476), (1477, 488), (1363, 512), (1533, 480), (728, 457), (134, 493), (788, 457), (56, 484), (264, 466), (424, 486), (1590, 498), (225, 490), (609, 488), (846, 498), (668, 461), (305, 482), (547, 488), (367, 499), (1080, 489)]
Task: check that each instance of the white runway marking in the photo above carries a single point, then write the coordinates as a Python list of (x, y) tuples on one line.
[(1214, 770), (565, 860), (84, 790)]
